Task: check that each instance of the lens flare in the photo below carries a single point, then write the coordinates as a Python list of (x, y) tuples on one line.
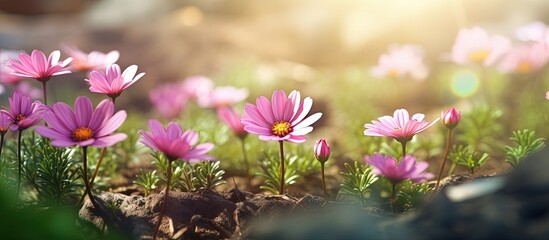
[(464, 83)]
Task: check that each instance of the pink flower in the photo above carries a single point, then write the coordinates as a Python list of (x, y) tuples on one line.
[(525, 59), (94, 60), (28, 89), (230, 117), (169, 100), (282, 119), (400, 126), (534, 31), (476, 46), (322, 150), (5, 71), (408, 168), (84, 126), (5, 122), (113, 81), (174, 143), (451, 118), (24, 113), (38, 67), (402, 61), (196, 86), (222, 97)]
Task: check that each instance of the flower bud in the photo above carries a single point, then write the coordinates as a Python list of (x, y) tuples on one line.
[(322, 151), (451, 118)]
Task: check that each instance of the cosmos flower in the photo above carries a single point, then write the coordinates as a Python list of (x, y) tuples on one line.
[(451, 118), (402, 61), (6, 75), (476, 46), (169, 100), (39, 67), (535, 31), (525, 59), (113, 81), (230, 117), (94, 60), (282, 119), (222, 97), (23, 112), (82, 126), (407, 169), (400, 126), (196, 86), (174, 143), (5, 122), (322, 150)]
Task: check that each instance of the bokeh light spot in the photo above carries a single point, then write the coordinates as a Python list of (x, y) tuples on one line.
[(464, 83)]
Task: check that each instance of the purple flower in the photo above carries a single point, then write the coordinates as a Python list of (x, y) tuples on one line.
[(84, 126), (407, 169), (174, 143), (5, 122), (169, 100), (113, 81), (400, 126), (39, 67), (282, 119), (24, 113)]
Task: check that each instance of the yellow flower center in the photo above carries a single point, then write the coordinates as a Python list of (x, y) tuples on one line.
[(281, 128), (524, 67), (393, 73), (478, 55), (18, 118), (82, 134)]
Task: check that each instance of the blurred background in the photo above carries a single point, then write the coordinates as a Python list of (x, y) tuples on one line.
[(324, 48)]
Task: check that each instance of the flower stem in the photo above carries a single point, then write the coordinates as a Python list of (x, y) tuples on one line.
[(393, 197), (281, 167), (97, 166), (403, 149), (167, 191), (323, 180), (1, 143), (85, 177), (446, 151), (44, 92), (20, 163)]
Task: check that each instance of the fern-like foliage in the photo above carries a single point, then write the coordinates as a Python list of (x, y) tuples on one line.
[(526, 143), (208, 175), (357, 181), (466, 156), (411, 195), (148, 181), (271, 172), (484, 129)]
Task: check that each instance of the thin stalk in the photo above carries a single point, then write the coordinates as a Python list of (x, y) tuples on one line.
[(403, 149), (44, 92), (97, 166), (281, 144), (393, 197), (20, 163), (167, 191), (323, 180), (446, 151), (1, 143), (85, 177), (246, 163)]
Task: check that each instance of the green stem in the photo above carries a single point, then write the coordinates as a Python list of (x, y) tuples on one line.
[(85, 177), (446, 151), (97, 166), (393, 197), (44, 92), (167, 191), (20, 163), (281, 167), (323, 180), (403, 149)]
